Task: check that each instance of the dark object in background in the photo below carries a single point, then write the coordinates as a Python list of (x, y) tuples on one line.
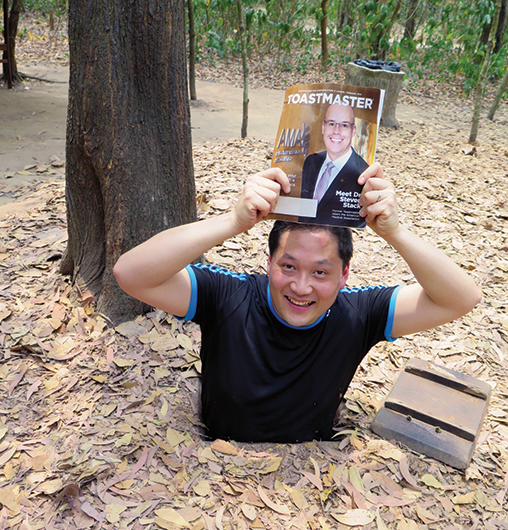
[(378, 65)]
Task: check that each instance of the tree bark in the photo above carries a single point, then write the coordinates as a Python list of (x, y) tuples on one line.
[(409, 28), (245, 69), (129, 171), (482, 79), (501, 26), (192, 51), (378, 52), (324, 36), (13, 31), (499, 94)]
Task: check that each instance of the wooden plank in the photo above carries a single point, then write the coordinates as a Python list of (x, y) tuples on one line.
[(436, 411)]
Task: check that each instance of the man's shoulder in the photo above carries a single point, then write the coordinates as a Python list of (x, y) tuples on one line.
[(362, 297), (315, 158), (358, 160), (218, 276)]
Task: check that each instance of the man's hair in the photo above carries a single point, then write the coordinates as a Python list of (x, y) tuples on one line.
[(342, 235)]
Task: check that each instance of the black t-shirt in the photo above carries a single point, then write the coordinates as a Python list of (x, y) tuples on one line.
[(264, 380)]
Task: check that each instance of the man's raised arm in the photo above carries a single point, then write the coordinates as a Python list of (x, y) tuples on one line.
[(444, 291), (154, 271)]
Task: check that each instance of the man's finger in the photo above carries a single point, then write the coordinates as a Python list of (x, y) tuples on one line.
[(373, 171), (276, 174)]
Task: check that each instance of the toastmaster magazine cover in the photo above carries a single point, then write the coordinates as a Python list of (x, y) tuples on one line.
[(326, 138)]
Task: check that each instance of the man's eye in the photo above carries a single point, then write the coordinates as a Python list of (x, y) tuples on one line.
[(287, 266), (320, 273)]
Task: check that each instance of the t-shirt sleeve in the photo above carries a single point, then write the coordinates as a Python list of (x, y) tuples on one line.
[(371, 312), (211, 286)]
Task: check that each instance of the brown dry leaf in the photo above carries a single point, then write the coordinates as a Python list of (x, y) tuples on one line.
[(431, 481), (387, 483), (404, 471), (467, 498), (315, 478), (279, 508), (356, 479), (17, 378), (5, 457), (169, 518), (249, 511), (355, 517), (221, 446), (8, 499), (202, 488)]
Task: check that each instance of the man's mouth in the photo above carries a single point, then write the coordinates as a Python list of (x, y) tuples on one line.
[(299, 303), (336, 140)]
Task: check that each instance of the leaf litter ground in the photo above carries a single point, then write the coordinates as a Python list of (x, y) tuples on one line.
[(99, 426)]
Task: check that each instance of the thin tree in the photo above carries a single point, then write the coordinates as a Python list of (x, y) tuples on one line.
[(129, 171), (192, 50), (410, 26), (501, 26), (245, 67), (482, 79), (499, 95), (13, 31), (324, 35), (384, 33)]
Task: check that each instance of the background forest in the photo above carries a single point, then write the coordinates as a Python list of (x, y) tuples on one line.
[(445, 40)]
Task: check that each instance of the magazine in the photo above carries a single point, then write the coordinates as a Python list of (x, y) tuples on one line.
[(326, 138)]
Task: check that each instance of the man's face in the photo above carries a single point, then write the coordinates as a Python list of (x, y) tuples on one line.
[(305, 275), (337, 138)]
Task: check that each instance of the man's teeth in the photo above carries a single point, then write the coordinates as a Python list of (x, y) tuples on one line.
[(301, 304)]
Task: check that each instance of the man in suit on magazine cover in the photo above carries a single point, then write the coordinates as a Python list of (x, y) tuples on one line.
[(331, 176)]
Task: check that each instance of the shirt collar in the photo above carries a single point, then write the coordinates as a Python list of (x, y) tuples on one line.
[(282, 321), (340, 162)]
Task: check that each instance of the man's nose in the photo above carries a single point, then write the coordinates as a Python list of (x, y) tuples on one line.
[(301, 285)]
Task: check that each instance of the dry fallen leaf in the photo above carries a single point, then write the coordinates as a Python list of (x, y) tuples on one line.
[(224, 447), (355, 517), (279, 508)]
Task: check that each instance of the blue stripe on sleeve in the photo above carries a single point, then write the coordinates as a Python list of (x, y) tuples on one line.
[(191, 312), (391, 314)]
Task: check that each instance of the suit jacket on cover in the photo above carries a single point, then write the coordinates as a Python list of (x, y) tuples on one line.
[(339, 205)]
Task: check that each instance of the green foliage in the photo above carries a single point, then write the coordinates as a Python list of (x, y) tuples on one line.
[(59, 7), (449, 43)]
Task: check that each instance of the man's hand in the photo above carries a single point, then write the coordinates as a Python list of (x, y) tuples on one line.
[(259, 197), (378, 202)]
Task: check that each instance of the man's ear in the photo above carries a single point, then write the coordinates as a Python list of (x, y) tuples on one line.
[(345, 276), (268, 264)]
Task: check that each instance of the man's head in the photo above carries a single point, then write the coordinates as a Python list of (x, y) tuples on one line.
[(307, 267), (338, 130)]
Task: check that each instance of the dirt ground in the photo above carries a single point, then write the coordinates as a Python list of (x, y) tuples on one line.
[(98, 424), (34, 119)]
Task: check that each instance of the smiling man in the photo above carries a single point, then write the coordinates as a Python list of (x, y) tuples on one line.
[(331, 176), (279, 350)]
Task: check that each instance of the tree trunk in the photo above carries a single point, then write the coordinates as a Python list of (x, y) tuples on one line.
[(499, 94), (501, 26), (245, 69), (192, 51), (378, 51), (13, 31), (324, 36), (409, 29), (482, 79), (129, 171), (343, 15)]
